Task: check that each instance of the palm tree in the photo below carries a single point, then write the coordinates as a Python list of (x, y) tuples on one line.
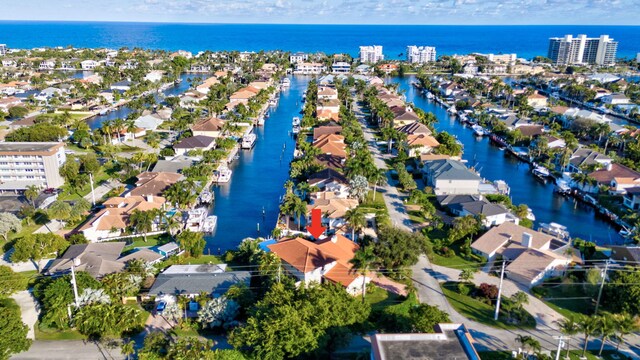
[(625, 325), (362, 260), (357, 221), (569, 327), (588, 326), (528, 343), (127, 349), (142, 221), (377, 178), (299, 209), (606, 327), (31, 193)]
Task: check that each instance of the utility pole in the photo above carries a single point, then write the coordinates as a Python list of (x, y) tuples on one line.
[(279, 265), (560, 345), (495, 316), (75, 286), (604, 276), (93, 194)]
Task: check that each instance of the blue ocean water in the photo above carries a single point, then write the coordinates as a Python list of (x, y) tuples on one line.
[(526, 41)]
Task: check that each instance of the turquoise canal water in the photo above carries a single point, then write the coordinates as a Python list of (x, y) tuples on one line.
[(251, 199), (494, 164)]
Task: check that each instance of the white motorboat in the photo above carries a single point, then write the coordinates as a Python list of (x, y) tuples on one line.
[(452, 110), (555, 229), (478, 130), (285, 82), (195, 219), (210, 223), (261, 121), (430, 96), (273, 102), (562, 187), (541, 172), (248, 141), (530, 214), (206, 197), (296, 129), (222, 175), (296, 121)]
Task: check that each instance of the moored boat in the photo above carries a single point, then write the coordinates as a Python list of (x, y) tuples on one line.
[(478, 130), (541, 172), (222, 174), (210, 223), (248, 141), (195, 219), (206, 197), (295, 121), (285, 82), (555, 229)]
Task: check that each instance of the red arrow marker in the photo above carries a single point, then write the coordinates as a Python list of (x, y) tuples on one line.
[(316, 229)]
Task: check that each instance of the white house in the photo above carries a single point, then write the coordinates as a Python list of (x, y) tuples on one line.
[(615, 99), (123, 85), (340, 67), (89, 64), (298, 57), (448, 176), (154, 76), (148, 122), (322, 261), (47, 65), (309, 68), (9, 63)]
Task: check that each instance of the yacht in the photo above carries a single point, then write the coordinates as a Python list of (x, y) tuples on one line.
[(261, 121), (530, 214), (209, 224), (430, 96), (541, 172), (478, 130), (206, 197), (273, 102), (562, 187), (296, 129), (195, 219), (555, 229), (296, 121), (222, 175), (285, 82), (248, 141)]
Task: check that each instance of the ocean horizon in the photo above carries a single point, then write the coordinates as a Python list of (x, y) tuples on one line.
[(526, 41)]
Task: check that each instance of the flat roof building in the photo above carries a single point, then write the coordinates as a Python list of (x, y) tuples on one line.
[(371, 54), (31, 163), (570, 50), (449, 341), (421, 54)]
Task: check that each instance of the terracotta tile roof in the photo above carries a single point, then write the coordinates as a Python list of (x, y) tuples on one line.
[(617, 172), (422, 140), (404, 113), (209, 124), (154, 183), (324, 130), (331, 144), (117, 211), (328, 114)]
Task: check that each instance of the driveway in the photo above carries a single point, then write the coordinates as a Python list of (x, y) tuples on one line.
[(28, 310)]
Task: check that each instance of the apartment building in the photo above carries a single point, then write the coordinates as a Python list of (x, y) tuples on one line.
[(583, 50), (3, 49), (371, 54), (298, 57), (309, 68), (421, 54), (30, 163)]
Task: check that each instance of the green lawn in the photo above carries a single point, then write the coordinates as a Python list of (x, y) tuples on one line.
[(380, 299), (479, 311), (565, 299), (370, 202), (152, 240), (592, 355), (43, 333), (9, 303), (70, 194), (495, 355)]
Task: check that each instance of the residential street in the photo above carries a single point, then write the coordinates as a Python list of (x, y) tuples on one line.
[(69, 350), (426, 278)]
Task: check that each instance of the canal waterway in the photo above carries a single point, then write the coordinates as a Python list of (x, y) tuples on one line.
[(494, 164), (251, 199), (123, 111)]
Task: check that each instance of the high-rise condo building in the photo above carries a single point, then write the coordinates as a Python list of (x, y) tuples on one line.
[(3, 49), (371, 54), (570, 50), (421, 54)]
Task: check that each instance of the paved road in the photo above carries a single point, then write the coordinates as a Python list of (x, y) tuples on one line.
[(69, 350), (426, 278), (28, 310)]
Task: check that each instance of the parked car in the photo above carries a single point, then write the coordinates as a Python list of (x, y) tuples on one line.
[(160, 307)]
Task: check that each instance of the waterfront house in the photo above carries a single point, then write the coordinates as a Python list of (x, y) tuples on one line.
[(327, 92), (154, 75), (191, 99), (632, 198), (388, 68), (537, 100), (332, 206), (533, 256), (322, 261), (450, 177), (490, 213), (207, 84), (554, 142), (298, 57), (615, 99), (331, 144), (47, 65), (169, 249), (330, 180), (9, 63), (9, 102), (192, 280), (149, 122), (448, 341), (414, 128), (419, 144), (89, 64), (310, 68), (173, 165), (198, 142), (113, 220), (48, 93), (211, 127), (331, 161), (328, 109), (403, 115), (154, 183), (341, 67), (123, 85), (617, 177), (585, 157), (326, 130)]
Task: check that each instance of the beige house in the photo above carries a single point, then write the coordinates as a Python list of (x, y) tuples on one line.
[(211, 127)]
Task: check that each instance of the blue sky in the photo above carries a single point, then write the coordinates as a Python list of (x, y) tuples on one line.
[(583, 12)]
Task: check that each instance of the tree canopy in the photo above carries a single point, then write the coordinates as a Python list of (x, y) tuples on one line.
[(398, 248), (13, 332), (41, 132)]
